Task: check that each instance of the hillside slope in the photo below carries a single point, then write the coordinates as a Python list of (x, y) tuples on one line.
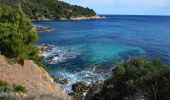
[(49, 9), (34, 78)]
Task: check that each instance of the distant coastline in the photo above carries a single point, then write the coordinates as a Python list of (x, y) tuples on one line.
[(87, 18), (96, 17)]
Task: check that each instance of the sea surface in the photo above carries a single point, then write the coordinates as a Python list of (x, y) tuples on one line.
[(88, 49)]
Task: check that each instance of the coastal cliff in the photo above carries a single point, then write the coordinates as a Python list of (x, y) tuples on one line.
[(49, 9), (21, 73), (34, 78)]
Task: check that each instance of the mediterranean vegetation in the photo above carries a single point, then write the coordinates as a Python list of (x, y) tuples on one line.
[(49, 9), (17, 37), (138, 77)]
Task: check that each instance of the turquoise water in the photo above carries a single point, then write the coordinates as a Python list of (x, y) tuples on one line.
[(103, 42)]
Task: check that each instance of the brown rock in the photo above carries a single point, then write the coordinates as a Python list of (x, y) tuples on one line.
[(79, 87)]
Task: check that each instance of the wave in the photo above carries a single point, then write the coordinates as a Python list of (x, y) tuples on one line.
[(57, 55), (58, 59), (88, 76)]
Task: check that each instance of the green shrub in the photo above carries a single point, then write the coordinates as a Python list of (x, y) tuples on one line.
[(19, 88), (150, 78), (17, 37), (3, 83)]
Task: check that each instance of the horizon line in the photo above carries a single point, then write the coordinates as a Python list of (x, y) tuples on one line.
[(133, 15)]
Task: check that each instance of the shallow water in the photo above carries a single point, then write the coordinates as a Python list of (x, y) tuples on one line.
[(103, 42)]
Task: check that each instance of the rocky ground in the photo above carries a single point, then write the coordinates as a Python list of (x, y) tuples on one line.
[(34, 78)]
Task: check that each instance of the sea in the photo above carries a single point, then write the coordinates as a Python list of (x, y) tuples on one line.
[(87, 50)]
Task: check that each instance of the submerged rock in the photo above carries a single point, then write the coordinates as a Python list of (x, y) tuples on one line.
[(45, 48), (53, 54), (42, 28), (60, 80), (52, 58), (98, 68)]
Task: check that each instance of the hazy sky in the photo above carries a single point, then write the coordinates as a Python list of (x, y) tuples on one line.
[(131, 7)]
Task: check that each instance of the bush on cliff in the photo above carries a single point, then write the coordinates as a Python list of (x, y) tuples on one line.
[(17, 37), (138, 77)]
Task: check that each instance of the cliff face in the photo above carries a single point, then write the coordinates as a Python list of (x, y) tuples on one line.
[(34, 78)]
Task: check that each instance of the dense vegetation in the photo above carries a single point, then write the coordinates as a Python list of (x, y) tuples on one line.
[(138, 77), (17, 37), (49, 9)]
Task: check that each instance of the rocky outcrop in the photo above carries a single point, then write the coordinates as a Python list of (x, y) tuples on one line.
[(79, 91), (93, 90), (79, 87), (42, 28), (45, 48), (60, 80), (87, 17), (36, 80)]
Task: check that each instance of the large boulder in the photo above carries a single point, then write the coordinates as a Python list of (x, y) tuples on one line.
[(79, 91), (79, 87)]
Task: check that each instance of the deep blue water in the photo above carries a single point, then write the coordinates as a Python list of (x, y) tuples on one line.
[(105, 41)]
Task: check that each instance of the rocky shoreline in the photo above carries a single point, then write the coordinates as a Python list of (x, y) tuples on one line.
[(96, 17), (87, 17), (80, 90), (46, 28)]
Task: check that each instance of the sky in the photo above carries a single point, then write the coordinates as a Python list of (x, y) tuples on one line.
[(126, 7)]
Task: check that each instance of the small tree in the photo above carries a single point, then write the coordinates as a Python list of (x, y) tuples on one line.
[(17, 37)]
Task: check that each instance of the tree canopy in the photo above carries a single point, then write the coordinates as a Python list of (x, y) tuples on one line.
[(17, 37), (49, 9)]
